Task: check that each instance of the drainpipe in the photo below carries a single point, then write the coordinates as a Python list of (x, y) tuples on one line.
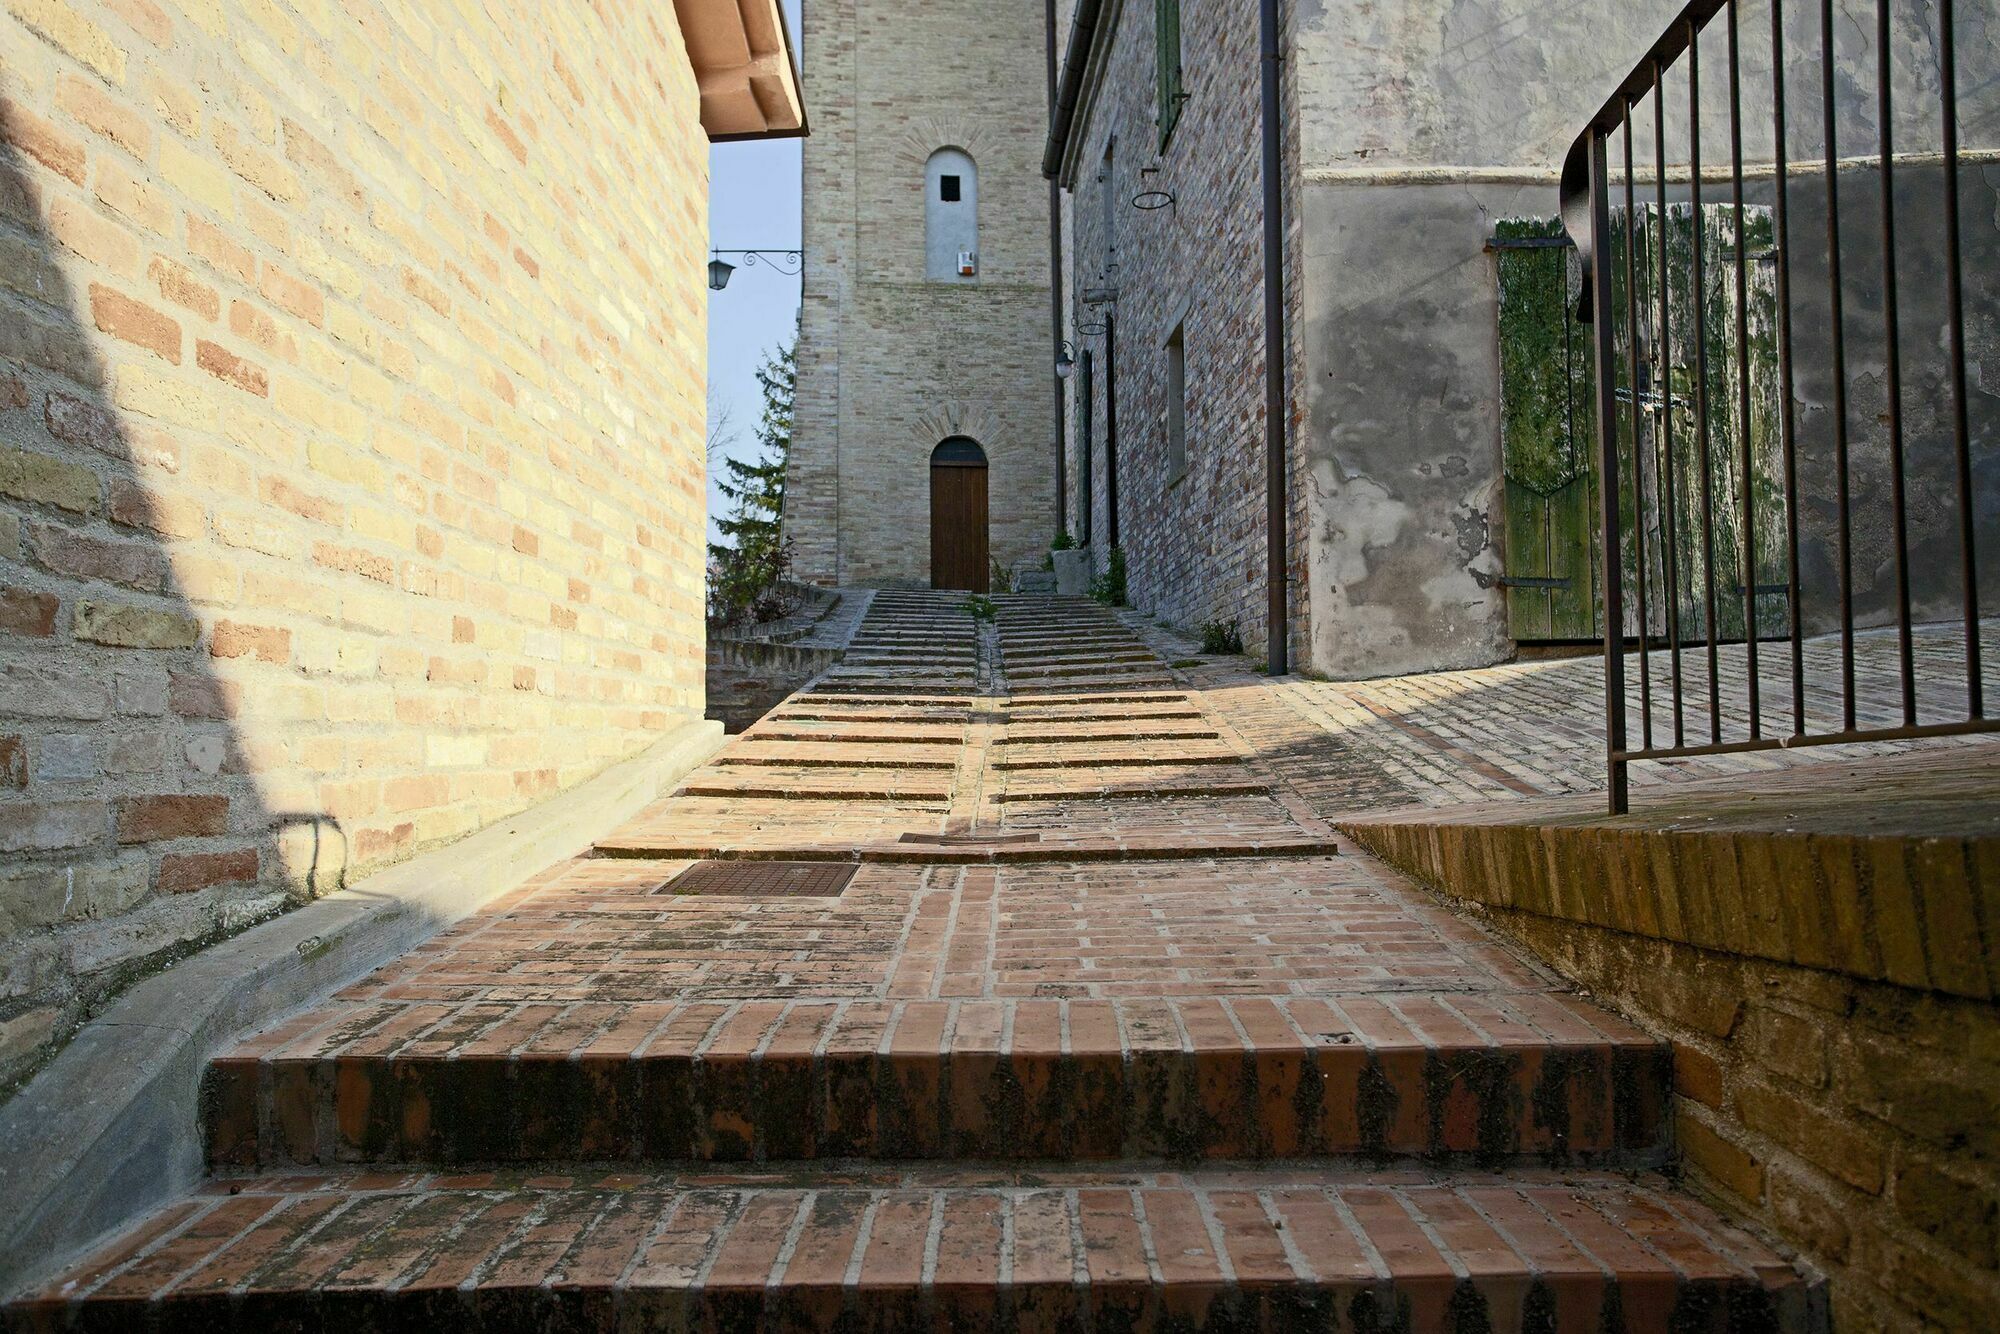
[(1056, 295), (1111, 422), (1277, 630)]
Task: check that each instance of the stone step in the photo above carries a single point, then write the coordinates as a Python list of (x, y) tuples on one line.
[(1279, 1250), (1489, 1078)]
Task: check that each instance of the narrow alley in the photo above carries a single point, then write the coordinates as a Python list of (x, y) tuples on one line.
[(993, 982)]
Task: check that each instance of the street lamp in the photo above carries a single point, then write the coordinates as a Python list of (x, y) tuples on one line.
[(719, 269), (1065, 360)]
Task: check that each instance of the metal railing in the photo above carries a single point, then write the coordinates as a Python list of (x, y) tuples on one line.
[(1688, 331)]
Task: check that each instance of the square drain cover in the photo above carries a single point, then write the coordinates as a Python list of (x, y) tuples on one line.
[(763, 880)]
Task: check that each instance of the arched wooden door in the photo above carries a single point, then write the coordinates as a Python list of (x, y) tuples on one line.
[(958, 515)]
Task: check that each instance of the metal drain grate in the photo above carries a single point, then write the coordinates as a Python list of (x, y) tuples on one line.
[(968, 840), (763, 880)]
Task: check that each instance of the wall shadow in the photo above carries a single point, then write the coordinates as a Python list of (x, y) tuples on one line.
[(135, 824)]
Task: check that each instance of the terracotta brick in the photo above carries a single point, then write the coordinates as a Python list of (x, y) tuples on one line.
[(213, 246), (13, 761), (235, 639), (150, 819), (135, 322), (186, 872), (42, 141), (25, 611), (293, 295), (227, 366)]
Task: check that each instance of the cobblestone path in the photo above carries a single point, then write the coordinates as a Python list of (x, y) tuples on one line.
[(1105, 1031)]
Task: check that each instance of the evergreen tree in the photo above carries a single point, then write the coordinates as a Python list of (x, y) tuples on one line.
[(747, 569)]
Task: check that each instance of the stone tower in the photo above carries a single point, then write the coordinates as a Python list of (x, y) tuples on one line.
[(926, 304)]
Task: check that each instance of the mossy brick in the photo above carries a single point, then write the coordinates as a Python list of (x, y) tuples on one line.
[(40, 479), (1828, 1140), (1730, 1165), (129, 625)]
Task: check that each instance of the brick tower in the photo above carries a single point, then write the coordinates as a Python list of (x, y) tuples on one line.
[(926, 299)]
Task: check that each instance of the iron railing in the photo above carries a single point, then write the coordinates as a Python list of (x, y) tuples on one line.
[(1788, 487)]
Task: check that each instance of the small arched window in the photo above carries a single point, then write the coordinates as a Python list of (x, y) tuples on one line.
[(951, 217)]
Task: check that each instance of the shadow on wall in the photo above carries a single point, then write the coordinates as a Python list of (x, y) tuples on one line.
[(133, 824)]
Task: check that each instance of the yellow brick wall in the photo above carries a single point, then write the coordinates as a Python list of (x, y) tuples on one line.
[(351, 498)]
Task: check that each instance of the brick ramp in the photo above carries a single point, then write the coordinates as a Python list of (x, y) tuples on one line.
[(884, 1250), (948, 1098)]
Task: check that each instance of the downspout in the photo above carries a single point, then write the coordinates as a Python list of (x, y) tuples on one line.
[(1111, 423), (1277, 629), (1056, 295)]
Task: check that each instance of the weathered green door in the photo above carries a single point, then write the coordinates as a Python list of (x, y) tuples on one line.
[(1548, 431), (1546, 439)]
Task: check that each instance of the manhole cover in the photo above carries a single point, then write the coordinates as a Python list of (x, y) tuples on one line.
[(965, 840), (763, 880)]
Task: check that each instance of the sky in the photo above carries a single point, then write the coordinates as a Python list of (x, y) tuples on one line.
[(753, 203)]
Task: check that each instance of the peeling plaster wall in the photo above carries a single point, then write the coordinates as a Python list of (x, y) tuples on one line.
[(1425, 121), (1422, 122)]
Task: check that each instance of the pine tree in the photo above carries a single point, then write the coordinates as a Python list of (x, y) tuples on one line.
[(746, 570)]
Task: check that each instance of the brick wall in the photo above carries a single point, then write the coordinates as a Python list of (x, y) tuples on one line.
[(1195, 547), (351, 371), (1830, 1001), (889, 363)]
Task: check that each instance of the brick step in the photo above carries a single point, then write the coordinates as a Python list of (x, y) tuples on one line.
[(878, 736), (1124, 787), (832, 711), (867, 688), (1085, 712), (1021, 734), (819, 751), (1192, 840), (1492, 1078), (1084, 666), (1041, 705), (1279, 1250), (1070, 686), (927, 785), (1081, 756)]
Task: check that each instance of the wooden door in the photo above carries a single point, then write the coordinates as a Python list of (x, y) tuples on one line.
[(958, 522)]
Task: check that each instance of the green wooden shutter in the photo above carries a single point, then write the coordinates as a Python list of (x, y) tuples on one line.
[(1167, 39)]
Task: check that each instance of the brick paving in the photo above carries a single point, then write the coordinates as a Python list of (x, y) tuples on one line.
[(1097, 928), (1536, 728), (889, 1249)]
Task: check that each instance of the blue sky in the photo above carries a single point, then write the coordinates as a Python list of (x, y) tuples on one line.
[(753, 202)]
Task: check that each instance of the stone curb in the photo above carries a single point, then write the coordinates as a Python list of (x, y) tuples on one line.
[(112, 1127)]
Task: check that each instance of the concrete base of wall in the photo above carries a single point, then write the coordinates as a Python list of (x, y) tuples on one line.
[(112, 1127)]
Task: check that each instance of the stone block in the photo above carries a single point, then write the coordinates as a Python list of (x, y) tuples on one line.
[(1073, 572), (46, 826), (125, 625)]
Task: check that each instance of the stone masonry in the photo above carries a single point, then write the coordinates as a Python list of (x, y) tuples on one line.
[(351, 398), (890, 362), (1194, 541), (1413, 128)]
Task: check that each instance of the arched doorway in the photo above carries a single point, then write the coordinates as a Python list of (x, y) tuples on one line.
[(958, 515)]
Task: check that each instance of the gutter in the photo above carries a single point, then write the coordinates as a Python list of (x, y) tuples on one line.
[(1278, 626), (1076, 57)]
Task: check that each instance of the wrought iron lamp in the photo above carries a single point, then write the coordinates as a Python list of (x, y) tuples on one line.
[(719, 269)]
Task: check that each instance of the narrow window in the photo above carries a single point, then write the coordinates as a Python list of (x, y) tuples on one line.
[(1107, 182), (1167, 44), (1177, 405), (951, 217)]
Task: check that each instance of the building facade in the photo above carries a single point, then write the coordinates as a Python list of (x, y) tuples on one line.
[(1416, 137), (351, 443), (923, 450)]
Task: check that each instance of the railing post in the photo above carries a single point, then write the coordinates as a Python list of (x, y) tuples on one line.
[(1604, 340)]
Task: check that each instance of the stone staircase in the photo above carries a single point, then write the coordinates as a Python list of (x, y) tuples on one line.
[(1107, 1031)]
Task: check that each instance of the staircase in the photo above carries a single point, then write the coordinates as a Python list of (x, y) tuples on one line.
[(1106, 1031)]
